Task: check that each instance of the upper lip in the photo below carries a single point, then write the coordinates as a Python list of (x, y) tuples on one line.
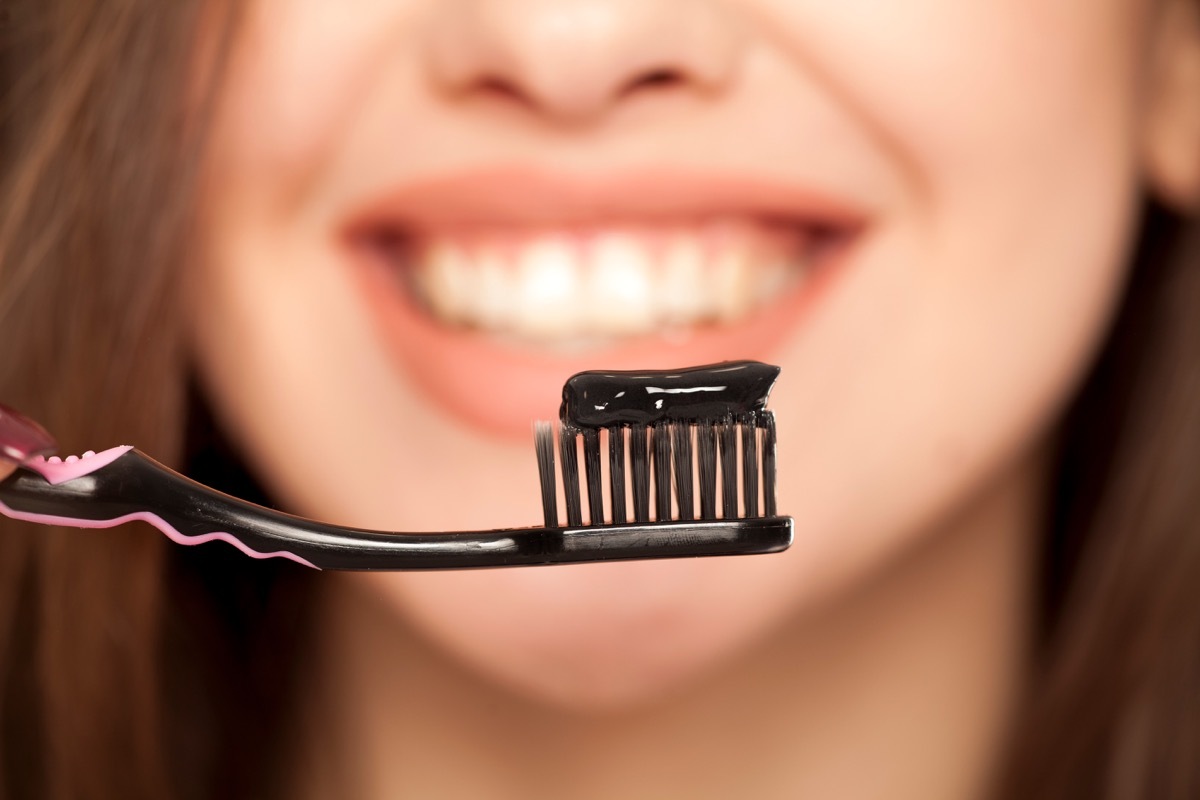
[(538, 197)]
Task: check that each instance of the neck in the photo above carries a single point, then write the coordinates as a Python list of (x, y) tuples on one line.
[(901, 689)]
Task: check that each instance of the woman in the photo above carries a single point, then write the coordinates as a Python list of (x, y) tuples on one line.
[(333, 222)]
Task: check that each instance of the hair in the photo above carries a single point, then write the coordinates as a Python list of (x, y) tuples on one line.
[(128, 670)]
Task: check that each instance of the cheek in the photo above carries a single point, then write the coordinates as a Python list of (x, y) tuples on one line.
[(951, 347), (991, 109), (301, 70)]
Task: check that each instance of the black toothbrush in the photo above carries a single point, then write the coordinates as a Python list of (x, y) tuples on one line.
[(666, 416)]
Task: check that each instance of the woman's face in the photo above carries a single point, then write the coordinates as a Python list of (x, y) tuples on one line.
[(920, 210)]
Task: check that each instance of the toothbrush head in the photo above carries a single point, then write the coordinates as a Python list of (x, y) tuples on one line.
[(670, 429)]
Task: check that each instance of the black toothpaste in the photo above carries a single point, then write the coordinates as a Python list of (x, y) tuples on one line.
[(600, 399)]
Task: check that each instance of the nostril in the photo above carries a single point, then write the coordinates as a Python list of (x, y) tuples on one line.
[(653, 80), (500, 88)]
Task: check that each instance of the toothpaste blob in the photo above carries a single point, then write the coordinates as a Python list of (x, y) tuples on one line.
[(599, 399)]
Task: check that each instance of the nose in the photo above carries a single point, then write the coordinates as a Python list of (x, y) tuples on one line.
[(574, 60)]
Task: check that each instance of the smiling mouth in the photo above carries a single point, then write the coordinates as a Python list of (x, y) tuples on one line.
[(593, 286), (488, 290)]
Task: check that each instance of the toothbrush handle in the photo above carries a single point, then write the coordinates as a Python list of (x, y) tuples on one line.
[(133, 486)]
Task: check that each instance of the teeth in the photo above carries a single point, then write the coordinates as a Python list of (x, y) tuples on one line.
[(731, 283), (494, 291), (565, 286), (685, 295), (547, 297), (621, 277), (446, 278)]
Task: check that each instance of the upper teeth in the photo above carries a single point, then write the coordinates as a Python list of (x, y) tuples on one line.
[(615, 282)]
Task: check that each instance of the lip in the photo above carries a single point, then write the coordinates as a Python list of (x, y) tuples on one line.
[(502, 387), (536, 197)]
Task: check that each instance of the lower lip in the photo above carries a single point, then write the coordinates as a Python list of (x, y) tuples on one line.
[(502, 388)]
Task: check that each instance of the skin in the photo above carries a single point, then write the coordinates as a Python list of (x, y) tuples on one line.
[(999, 150)]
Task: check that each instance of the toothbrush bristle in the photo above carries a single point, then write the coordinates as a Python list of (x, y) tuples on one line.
[(768, 463), (749, 466), (543, 438), (639, 462), (661, 445), (706, 452), (616, 472), (729, 460), (732, 455), (682, 446), (570, 474), (591, 465)]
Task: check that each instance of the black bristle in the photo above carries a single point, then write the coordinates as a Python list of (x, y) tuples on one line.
[(661, 444), (570, 474), (706, 453), (543, 440), (750, 465), (639, 464), (768, 464), (616, 471), (591, 464), (681, 446), (729, 462)]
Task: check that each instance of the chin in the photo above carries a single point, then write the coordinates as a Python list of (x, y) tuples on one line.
[(594, 638)]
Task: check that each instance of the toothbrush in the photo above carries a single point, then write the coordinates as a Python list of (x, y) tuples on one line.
[(658, 413)]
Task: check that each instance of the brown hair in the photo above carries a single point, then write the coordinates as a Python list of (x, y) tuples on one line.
[(1115, 710), (128, 670), (109, 660)]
